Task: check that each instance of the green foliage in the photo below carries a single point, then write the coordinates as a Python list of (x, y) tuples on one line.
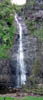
[(7, 27), (36, 68), (39, 33), (18, 8), (32, 25), (35, 28)]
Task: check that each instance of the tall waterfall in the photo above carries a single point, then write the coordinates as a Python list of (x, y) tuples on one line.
[(21, 72)]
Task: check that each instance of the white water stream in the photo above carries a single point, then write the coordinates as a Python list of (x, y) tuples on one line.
[(20, 56)]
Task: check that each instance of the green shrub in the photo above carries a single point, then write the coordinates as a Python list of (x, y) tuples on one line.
[(7, 27)]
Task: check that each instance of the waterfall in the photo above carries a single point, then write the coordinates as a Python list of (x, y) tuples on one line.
[(21, 72)]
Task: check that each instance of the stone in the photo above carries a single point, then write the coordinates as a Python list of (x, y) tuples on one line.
[(17, 37), (1, 40)]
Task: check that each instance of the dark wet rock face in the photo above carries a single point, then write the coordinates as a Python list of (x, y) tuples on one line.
[(13, 67), (34, 14), (34, 10), (4, 73), (32, 49)]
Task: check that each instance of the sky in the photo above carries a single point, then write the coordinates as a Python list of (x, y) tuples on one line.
[(18, 2)]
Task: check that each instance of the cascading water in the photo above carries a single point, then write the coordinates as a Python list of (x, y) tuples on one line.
[(21, 72)]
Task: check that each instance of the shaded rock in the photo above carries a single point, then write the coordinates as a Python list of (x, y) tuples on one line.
[(17, 37), (38, 15), (4, 73), (1, 41)]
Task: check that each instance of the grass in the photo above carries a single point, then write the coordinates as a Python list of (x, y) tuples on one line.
[(32, 98), (8, 98), (24, 98)]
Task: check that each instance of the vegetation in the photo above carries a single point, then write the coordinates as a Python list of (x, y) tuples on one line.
[(35, 28), (7, 27), (34, 23), (24, 98), (32, 98), (18, 8), (8, 98)]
